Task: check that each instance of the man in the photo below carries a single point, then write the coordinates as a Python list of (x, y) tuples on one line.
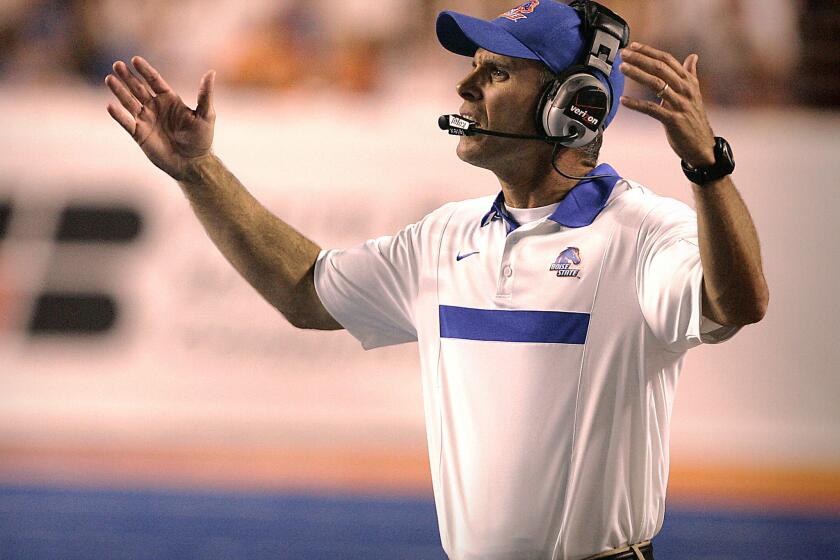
[(552, 319)]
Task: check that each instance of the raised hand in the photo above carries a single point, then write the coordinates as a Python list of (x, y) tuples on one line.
[(170, 134), (680, 108)]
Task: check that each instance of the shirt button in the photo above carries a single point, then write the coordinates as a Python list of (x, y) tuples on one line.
[(507, 271)]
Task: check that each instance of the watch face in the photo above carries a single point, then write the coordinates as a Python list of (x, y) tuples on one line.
[(727, 151), (727, 161), (724, 165)]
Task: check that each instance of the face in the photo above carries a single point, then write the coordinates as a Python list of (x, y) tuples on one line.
[(500, 93)]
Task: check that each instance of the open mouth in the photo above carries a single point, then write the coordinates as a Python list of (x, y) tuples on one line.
[(470, 117)]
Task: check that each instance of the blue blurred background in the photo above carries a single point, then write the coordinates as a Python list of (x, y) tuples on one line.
[(153, 406)]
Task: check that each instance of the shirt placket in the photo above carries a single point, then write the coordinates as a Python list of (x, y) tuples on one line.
[(513, 246), (507, 273)]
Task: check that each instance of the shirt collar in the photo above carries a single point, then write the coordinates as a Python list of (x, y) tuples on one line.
[(580, 206), (498, 212)]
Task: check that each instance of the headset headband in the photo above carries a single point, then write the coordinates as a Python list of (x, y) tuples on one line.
[(610, 34)]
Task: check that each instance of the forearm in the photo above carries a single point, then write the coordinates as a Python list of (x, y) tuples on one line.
[(272, 256), (734, 289)]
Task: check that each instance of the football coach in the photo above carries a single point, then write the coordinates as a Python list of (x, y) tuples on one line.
[(552, 316)]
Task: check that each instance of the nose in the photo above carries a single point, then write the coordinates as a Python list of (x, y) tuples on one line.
[(468, 88)]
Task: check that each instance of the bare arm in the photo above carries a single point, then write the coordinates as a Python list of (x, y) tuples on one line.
[(734, 289), (275, 259), (278, 261)]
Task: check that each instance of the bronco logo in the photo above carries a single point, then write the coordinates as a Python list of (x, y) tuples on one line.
[(519, 12), (568, 258)]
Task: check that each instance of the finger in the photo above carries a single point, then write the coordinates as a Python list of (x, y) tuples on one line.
[(662, 56), (123, 95), (656, 68), (204, 108), (656, 85), (152, 77), (690, 64), (123, 117), (658, 112), (135, 86)]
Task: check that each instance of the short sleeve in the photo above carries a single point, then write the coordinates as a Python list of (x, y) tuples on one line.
[(371, 289), (669, 279)]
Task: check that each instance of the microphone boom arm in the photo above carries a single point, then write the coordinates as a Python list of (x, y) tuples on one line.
[(460, 126)]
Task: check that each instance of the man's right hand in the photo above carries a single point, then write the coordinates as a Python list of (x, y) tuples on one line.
[(171, 134)]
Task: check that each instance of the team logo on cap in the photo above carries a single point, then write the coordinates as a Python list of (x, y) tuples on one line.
[(519, 12), (567, 263)]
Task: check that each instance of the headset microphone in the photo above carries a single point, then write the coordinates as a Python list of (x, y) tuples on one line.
[(461, 126)]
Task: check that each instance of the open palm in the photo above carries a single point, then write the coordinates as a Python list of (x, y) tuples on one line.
[(169, 133)]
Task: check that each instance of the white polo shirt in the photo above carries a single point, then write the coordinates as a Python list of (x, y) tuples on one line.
[(550, 354)]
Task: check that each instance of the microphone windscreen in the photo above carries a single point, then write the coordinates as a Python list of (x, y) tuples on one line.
[(443, 122)]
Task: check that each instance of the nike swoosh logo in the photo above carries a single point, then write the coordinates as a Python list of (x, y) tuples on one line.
[(460, 256)]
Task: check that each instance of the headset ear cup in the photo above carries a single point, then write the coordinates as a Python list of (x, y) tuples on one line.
[(551, 118), (561, 112), (546, 98)]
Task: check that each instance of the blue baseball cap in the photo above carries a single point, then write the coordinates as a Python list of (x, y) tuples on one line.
[(544, 30)]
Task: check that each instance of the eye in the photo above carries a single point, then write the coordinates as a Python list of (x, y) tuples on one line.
[(498, 74)]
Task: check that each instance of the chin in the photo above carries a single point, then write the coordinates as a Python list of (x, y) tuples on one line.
[(470, 151)]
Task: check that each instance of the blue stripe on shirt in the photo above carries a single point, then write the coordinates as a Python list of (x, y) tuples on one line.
[(502, 325)]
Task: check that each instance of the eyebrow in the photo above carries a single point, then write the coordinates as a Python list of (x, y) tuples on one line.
[(493, 62)]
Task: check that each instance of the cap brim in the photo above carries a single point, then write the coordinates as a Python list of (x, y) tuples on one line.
[(464, 35)]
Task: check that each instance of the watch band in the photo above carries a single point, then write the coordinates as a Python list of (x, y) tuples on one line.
[(724, 165)]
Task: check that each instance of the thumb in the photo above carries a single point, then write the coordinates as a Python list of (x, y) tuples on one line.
[(204, 108), (690, 64)]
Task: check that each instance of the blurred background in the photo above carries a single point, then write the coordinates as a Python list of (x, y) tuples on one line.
[(153, 406)]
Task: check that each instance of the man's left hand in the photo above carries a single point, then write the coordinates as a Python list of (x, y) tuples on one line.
[(680, 108)]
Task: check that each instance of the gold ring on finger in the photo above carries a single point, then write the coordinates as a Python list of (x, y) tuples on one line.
[(663, 90)]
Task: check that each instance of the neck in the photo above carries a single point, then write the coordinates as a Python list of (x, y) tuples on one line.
[(532, 186)]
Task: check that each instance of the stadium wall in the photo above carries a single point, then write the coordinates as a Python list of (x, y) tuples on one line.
[(132, 354)]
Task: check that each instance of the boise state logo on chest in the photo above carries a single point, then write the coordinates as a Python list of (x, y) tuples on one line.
[(567, 263), (519, 12)]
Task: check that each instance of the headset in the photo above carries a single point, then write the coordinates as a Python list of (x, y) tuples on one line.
[(572, 108)]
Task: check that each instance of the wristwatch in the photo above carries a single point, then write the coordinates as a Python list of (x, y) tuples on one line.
[(724, 165)]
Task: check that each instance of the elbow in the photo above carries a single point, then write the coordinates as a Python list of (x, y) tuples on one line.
[(314, 322), (308, 313), (761, 301), (753, 309), (738, 308), (303, 321), (755, 314), (302, 307), (298, 317), (296, 320)]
